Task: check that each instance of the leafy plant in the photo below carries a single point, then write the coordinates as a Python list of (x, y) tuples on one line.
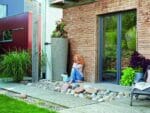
[(59, 32), (15, 64), (127, 77), (137, 60)]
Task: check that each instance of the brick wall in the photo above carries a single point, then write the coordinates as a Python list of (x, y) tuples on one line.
[(82, 27)]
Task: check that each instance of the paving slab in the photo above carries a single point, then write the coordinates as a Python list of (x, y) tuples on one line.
[(52, 96), (111, 107), (79, 105)]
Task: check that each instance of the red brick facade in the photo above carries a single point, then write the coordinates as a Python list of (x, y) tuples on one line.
[(82, 27)]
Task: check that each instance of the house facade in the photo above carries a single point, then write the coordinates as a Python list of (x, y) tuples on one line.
[(100, 30), (43, 19)]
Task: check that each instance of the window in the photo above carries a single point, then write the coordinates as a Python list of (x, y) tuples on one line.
[(6, 36), (3, 10)]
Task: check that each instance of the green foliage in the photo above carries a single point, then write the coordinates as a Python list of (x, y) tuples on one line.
[(15, 64), (59, 32), (10, 105), (131, 38), (127, 77)]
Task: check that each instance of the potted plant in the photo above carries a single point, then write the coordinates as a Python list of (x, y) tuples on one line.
[(128, 75), (136, 62), (59, 51)]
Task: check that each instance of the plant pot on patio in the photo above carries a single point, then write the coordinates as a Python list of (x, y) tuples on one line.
[(138, 75), (59, 51), (59, 57)]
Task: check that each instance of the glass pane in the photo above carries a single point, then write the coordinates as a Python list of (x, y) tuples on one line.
[(109, 48), (3, 11), (128, 37)]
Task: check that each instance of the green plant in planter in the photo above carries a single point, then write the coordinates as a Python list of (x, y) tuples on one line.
[(15, 64), (128, 75), (59, 32)]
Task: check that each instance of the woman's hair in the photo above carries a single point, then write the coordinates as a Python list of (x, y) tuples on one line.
[(79, 58)]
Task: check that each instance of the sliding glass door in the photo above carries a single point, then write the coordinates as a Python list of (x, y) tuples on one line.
[(117, 42)]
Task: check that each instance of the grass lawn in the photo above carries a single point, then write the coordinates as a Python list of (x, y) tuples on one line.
[(9, 105)]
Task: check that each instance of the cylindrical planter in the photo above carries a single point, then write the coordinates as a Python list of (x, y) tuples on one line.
[(138, 77), (59, 57)]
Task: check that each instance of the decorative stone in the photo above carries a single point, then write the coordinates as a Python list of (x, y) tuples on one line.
[(72, 92), (126, 94), (29, 84), (65, 87), (25, 82), (118, 96), (23, 96), (79, 90), (121, 94), (101, 100), (95, 98), (106, 98), (88, 96), (57, 89), (69, 91), (99, 96), (112, 94), (56, 83), (111, 98), (76, 95), (93, 95), (87, 86), (75, 85), (81, 95), (107, 92), (91, 90)]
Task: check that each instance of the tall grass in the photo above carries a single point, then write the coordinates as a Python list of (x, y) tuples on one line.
[(15, 64)]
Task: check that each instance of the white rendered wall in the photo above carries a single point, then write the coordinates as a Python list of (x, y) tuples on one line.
[(49, 17)]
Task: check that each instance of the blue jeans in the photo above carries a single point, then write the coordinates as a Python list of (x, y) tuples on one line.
[(76, 75)]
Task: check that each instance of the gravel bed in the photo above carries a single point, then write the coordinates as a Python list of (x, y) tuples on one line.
[(81, 91)]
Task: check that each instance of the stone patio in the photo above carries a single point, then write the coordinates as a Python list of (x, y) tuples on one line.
[(74, 104)]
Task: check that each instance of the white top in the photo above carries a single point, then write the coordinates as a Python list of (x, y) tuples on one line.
[(79, 67)]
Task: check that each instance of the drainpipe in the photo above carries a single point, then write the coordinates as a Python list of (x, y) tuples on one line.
[(48, 44)]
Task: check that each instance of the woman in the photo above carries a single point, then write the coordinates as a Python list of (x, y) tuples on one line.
[(77, 69)]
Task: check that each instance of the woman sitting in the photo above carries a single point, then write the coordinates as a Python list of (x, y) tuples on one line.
[(77, 69)]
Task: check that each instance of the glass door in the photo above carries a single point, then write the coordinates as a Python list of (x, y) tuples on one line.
[(128, 43), (117, 43), (109, 73)]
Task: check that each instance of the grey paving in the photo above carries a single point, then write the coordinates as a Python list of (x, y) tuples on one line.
[(108, 108), (79, 105), (109, 86), (52, 96)]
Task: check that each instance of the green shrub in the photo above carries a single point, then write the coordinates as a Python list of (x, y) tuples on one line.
[(127, 77), (15, 64)]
